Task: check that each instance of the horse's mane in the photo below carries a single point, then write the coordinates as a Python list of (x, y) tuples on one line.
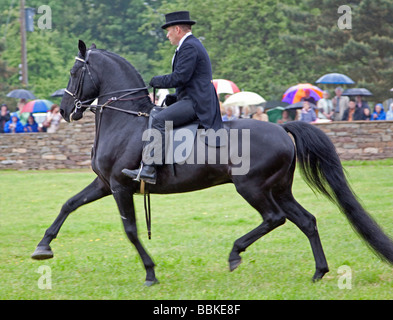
[(118, 57), (133, 71)]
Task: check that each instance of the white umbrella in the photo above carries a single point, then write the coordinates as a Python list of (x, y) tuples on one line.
[(245, 98)]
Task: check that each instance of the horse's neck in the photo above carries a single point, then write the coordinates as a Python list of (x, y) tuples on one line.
[(118, 75)]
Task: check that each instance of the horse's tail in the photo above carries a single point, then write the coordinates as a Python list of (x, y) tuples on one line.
[(321, 168)]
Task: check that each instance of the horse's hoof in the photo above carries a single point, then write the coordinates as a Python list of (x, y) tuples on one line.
[(42, 253), (319, 275), (149, 283), (233, 264)]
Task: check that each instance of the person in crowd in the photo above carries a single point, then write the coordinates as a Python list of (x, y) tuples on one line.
[(354, 113), (367, 114), (340, 104), (284, 117), (228, 116), (13, 125), (379, 112), (22, 116), (245, 112), (360, 103), (308, 97), (31, 125), (307, 114), (53, 119), (389, 114), (4, 117), (325, 107), (260, 115)]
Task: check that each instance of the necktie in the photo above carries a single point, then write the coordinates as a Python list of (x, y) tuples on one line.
[(338, 104), (174, 58)]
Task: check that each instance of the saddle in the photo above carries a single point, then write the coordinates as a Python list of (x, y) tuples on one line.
[(182, 139)]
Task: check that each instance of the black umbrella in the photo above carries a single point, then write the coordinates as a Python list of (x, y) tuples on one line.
[(21, 94), (58, 93), (299, 105), (273, 104), (357, 92)]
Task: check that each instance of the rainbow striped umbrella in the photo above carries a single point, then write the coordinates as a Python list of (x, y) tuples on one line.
[(36, 106), (296, 93)]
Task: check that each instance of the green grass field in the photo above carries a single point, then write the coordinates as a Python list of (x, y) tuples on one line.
[(193, 234)]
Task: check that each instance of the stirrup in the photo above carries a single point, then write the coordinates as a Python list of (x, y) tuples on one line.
[(138, 177)]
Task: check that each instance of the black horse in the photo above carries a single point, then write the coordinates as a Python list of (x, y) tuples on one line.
[(266, 185)]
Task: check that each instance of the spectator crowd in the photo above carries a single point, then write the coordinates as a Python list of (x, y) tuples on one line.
[(17, 122), (339, 108)]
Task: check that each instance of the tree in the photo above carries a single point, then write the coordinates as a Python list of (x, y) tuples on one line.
[(243, 41), (361, 48)]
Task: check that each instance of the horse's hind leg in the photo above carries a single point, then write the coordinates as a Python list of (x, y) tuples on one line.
[(272, 216), (96, 190), (306, 222)]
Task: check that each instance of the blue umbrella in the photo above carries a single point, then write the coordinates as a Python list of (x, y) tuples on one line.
[(335, 78)]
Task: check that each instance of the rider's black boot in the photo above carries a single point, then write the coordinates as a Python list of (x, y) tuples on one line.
[(146, 173)]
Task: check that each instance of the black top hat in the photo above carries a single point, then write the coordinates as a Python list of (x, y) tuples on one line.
[(176, 18)]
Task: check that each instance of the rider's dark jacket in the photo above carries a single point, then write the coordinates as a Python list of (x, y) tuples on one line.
[(192, 76)]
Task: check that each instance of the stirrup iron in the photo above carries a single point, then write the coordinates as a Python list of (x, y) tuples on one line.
[(138, 177)]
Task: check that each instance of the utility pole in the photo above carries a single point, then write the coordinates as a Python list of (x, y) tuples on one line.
[(23, 42)]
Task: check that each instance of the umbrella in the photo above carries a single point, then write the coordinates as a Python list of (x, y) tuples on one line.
[(299, 105), (335, 78), (36, 106), (58, 93), (273, 104), (21, 94), (225, 86), (357, 92), (275, 114), (244, 98), (296, 93)]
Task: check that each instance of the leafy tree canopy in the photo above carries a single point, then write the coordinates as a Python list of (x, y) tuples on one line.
[(264, 46)]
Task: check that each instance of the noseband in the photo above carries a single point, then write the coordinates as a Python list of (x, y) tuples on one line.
[(78, 104)]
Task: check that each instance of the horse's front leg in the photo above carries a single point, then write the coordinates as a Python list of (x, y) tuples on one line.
[(125, 203), (94, 191)]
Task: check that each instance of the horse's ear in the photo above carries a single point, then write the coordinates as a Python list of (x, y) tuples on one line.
[(82, 48), (93, 46)]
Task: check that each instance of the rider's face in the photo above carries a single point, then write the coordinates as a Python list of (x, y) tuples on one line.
[(173, 34)]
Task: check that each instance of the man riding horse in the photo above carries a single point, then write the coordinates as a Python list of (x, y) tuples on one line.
[(195, 98)]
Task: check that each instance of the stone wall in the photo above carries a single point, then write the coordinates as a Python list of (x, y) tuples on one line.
[(361, 140), (70, 146)]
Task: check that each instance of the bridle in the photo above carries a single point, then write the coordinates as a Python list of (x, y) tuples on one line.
[(78, 104)]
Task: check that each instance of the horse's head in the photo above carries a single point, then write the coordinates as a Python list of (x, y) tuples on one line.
[(82, 86)]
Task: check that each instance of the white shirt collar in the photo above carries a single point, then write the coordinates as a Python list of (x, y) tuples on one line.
[(182, 40)]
